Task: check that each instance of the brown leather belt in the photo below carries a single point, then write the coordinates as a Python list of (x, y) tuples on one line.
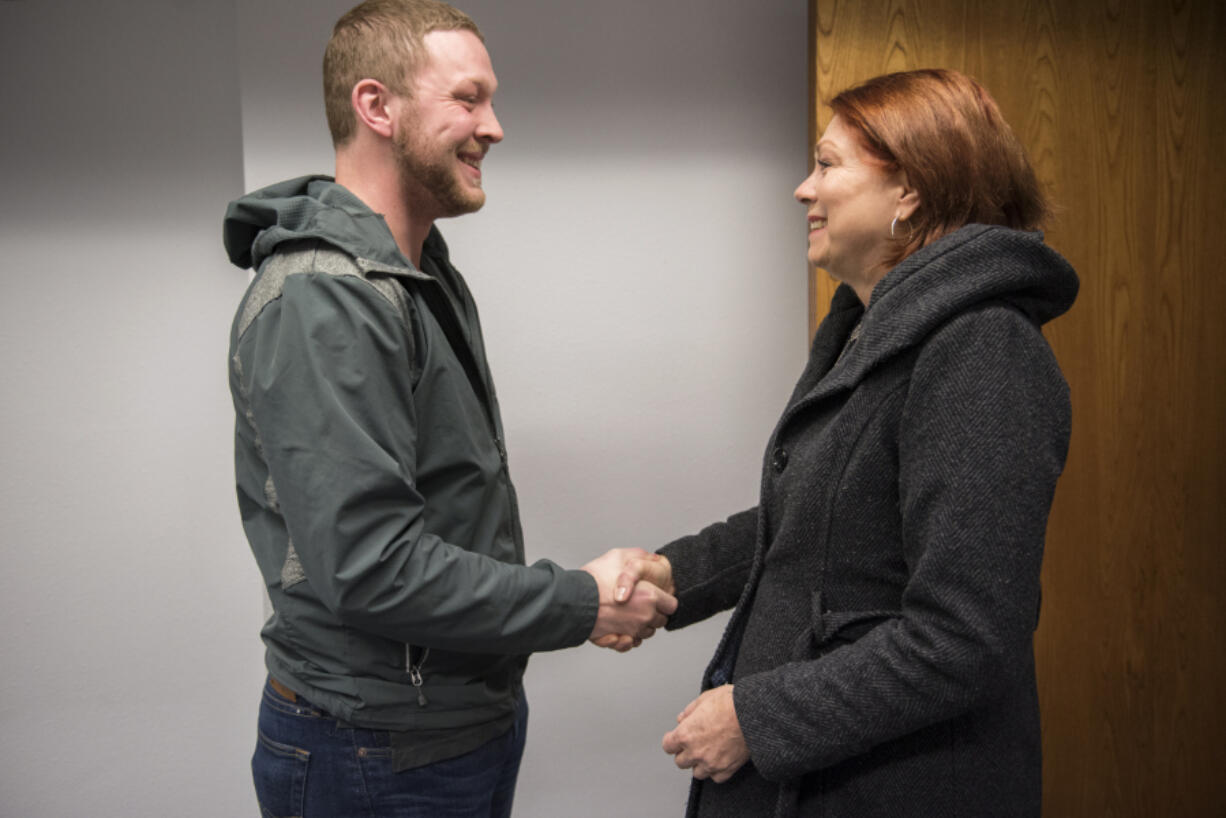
[(284, 691)]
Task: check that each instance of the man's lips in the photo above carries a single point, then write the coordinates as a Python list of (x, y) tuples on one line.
[(472, 159)]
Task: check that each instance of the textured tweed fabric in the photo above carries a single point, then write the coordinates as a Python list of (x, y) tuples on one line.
[(887, 584)]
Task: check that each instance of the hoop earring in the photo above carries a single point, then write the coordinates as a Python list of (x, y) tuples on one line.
[(892, 224)]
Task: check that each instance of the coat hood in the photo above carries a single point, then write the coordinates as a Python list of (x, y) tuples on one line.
[(981, 263), (312, 207), (973, 265)]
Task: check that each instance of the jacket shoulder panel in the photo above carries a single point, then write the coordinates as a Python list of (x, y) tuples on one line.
[(315, 256)]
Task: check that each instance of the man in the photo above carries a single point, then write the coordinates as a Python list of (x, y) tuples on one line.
[(372, 476)]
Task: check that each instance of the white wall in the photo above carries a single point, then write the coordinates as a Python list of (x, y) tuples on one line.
[(129, 606), (640, 272)]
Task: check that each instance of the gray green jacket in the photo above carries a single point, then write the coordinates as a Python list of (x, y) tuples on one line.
[(372, 477)]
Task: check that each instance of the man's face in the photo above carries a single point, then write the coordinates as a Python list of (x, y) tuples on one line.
[(447, 126)]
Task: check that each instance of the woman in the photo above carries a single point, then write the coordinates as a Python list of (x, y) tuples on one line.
[(880, 661)]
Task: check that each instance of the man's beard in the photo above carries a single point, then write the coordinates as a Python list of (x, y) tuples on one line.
[(435, 176)]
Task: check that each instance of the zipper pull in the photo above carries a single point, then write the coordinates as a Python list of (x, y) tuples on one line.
[(416, 678)]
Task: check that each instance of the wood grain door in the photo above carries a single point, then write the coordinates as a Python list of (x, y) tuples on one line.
[(1120, 104)]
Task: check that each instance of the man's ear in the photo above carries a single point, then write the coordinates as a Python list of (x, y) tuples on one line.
[(373, 106)]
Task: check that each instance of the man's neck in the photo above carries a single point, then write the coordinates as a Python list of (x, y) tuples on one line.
[(380, 190)]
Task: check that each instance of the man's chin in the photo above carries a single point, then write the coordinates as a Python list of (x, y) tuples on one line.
[(468, 202), (476, 201)]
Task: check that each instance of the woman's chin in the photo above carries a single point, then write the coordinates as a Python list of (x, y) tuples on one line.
[(820, 264)]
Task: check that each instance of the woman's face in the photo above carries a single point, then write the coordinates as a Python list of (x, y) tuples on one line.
[(851, 201)]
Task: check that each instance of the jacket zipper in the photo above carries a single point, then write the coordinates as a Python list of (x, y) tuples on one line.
[(449, 322), (479, 380), (415, 672)]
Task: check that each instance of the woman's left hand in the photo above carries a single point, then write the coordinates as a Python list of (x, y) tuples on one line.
[(708, 737)]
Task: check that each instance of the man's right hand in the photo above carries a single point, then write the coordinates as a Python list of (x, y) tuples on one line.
[(630, 611)]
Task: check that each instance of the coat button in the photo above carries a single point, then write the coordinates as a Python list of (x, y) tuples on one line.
[(779, 459)]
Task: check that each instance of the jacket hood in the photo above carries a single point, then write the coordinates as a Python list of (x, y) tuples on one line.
[(975, 264), (312, 207), (981, 263)]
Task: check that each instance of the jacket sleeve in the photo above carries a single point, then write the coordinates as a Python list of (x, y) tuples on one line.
[(711, 568), (325, 373), (982, 439)]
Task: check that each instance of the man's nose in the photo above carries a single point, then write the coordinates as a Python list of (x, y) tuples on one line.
[(489, 129)]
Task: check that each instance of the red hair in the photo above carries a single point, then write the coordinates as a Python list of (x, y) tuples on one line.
[(944, 131)]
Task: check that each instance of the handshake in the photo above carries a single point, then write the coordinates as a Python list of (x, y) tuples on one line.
[(636, 596)]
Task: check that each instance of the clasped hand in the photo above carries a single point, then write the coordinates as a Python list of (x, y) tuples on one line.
[(636, 596), (708, 737)]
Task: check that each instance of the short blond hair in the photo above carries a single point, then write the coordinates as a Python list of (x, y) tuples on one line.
[(380, 40)]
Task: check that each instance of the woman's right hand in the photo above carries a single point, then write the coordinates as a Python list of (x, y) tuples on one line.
[(638, 566)]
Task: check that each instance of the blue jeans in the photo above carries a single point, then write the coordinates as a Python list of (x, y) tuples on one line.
[(307, 765)]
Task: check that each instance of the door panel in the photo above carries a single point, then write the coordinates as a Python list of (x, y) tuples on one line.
[(1119, 106)]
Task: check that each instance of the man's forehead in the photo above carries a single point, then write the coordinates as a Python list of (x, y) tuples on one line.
[(453, 56)]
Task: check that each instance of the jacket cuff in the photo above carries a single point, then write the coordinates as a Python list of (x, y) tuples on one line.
[(579, 597), (775, 759), (699, 597)]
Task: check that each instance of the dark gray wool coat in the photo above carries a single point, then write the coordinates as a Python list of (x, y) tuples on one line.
[(887, 584)]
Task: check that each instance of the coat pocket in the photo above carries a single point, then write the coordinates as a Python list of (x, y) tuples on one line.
[(829, 630)]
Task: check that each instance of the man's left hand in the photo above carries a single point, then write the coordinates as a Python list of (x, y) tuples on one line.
[(708, 737)]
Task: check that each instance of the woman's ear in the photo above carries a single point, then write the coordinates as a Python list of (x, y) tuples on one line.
[(908, 199), (373, 106)]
